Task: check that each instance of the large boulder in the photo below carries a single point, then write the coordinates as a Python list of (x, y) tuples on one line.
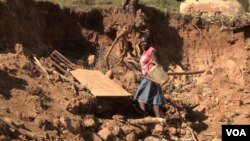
[(213, 7)]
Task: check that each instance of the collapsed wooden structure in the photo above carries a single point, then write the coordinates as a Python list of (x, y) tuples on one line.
[(96, 82)]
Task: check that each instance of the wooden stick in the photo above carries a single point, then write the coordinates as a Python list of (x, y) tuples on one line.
[(64, 58), (147, 120), (56, 58), (121, 57), (122, 33), (29, 134), (186, 73), (239, 28), (186, 139), (37, 62), (182, 120), (74, 89), (192, 133), (7, 125), (58, 66), (62, 76), (211, 48)]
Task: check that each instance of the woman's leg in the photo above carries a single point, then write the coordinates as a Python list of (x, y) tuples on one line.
[(157, 110), (142, 106)]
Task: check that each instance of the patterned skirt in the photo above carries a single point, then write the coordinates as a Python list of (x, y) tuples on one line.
[(149, 93)]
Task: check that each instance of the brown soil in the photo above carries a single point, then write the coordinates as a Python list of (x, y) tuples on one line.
[(51, 111)]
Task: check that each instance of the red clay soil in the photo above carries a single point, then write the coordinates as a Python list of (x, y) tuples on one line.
[(39, 109)]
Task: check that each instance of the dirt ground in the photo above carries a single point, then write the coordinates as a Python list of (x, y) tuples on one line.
[(33, 108)]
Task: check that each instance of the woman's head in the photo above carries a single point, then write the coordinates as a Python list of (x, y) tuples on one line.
[(145, 41)]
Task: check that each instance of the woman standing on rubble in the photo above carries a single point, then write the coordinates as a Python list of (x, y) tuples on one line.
[(148, 92)]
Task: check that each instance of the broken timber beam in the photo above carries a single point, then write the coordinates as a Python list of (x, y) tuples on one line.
[(55, 59), (58, 66), (59, 60), (147, 120), (192, 133), (121, 34), (64, 77), (61, 57), (186, 73), (37, 62)]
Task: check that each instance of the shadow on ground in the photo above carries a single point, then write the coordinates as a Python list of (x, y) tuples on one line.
[(7, 83)]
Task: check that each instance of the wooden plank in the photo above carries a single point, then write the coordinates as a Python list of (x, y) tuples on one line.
[(98, 83)]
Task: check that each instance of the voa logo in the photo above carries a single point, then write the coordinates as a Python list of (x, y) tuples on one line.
[(236, 132)]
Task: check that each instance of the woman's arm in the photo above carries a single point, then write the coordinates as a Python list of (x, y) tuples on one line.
[(154, 58)]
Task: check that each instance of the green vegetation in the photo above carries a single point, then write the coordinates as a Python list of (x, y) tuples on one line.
[(164, 5), (171, 6), (248, 5)]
